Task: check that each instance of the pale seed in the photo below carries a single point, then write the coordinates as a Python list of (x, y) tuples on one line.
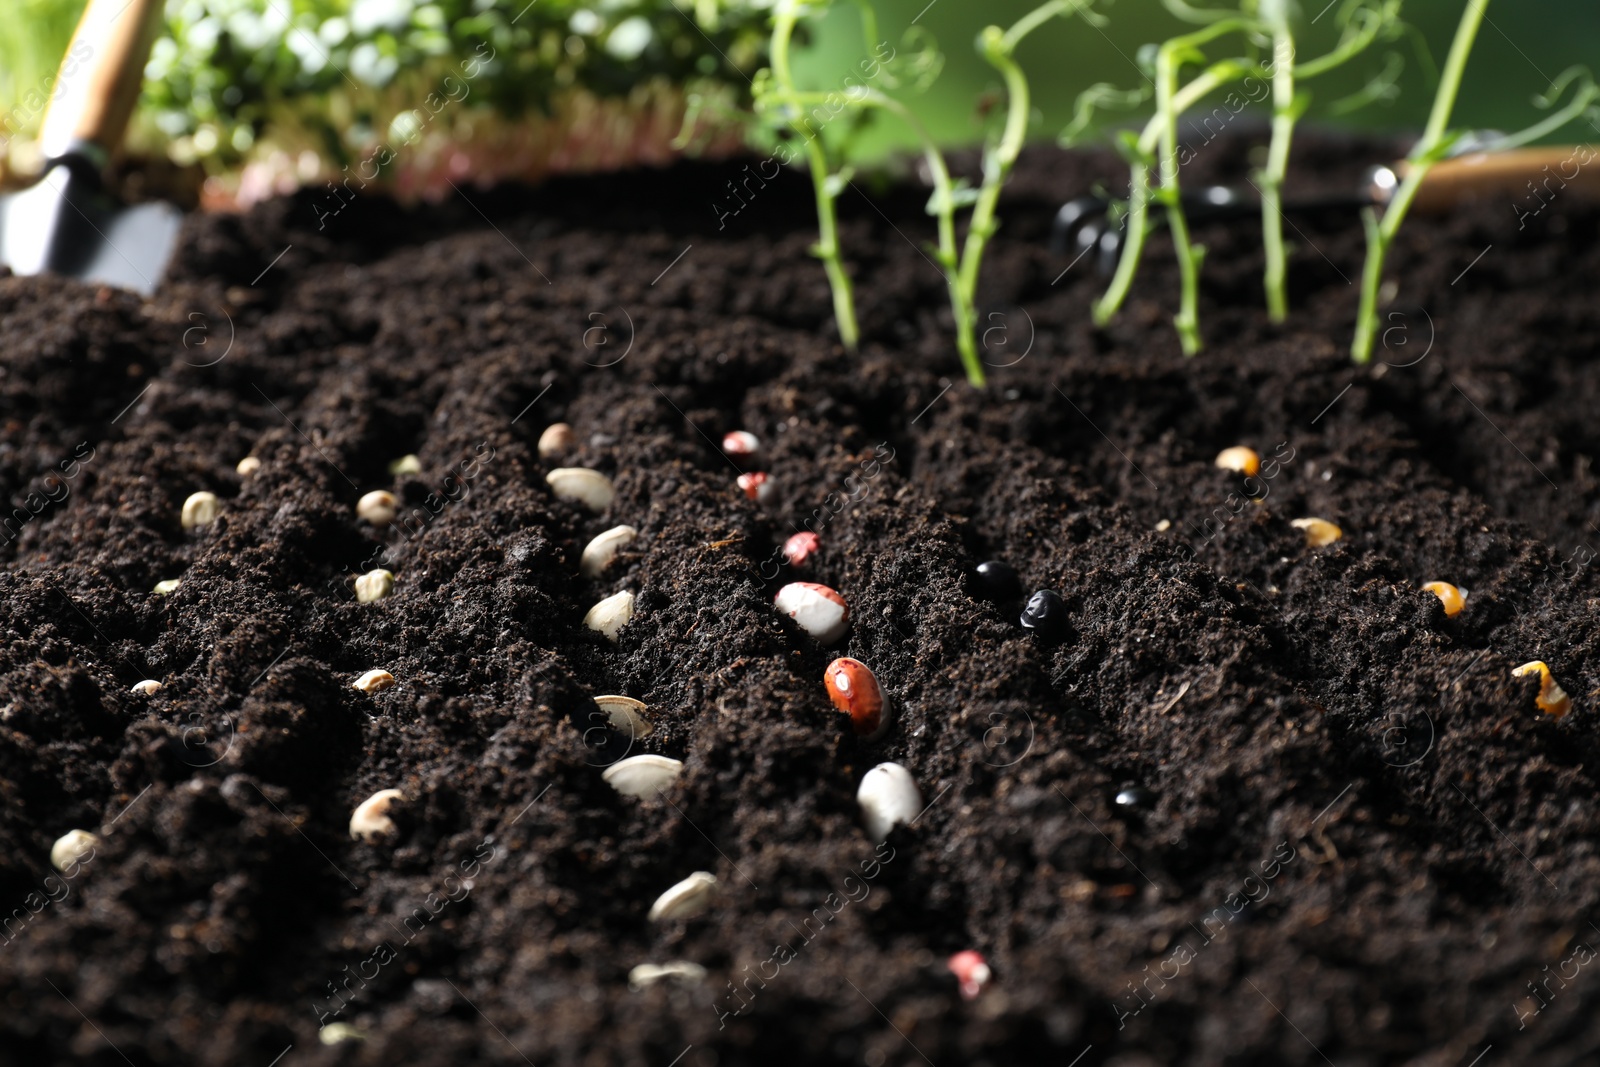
[(248, 466), (1239, 458), (170, 585), (647, 974), (557, 438), (626, 714), (370, 821), (377, 507), (146, 687), (374, 585), (888, 796), (590, 488), (642, 776), (200, 509), (71, 847), (599, 553), (688, 898), (1319, 532), (611, 614), (407, 464), (374, 680)]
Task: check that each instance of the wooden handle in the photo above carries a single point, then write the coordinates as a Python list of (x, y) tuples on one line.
[(1525, 177), (100, 77)]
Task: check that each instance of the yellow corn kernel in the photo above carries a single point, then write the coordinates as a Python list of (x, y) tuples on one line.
[(1452, 598), (1318, 532), (1552, 699), (1239, 458)]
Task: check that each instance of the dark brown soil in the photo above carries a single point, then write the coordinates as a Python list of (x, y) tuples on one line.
[(1363, 840)]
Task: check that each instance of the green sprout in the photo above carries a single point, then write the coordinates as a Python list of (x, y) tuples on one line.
[(998, 47), (1364, 21), (1436, 143), (778, 92), (1155, 149), (776, 95)]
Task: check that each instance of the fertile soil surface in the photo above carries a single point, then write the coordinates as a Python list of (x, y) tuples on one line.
[(1360, 839)]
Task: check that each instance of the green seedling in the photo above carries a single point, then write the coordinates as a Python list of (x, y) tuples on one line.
[(960, 264), (779, 89), (1154, 151), (1364, 22), (1436, 143)]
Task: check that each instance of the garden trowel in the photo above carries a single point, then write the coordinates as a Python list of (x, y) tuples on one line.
[(67, 222)]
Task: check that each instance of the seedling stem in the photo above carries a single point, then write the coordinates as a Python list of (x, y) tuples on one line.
[(1429, 150), (826, 249)]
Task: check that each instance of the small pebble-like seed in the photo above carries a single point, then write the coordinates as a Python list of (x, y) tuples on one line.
[(338, 1033), (168, 585), (1135, 797), (1045, 613), (374, 681), (589, 488), (1319, 532), (1552, 699), (888, 795), (146, 687), (688, 898), (247, 466), (406, 464), (558, 438), (756, 485), (998, 582), (377, 507), (854, 690), (1451, 597), (820, 611), (1239, 458), (611, 614), (642, 776), (971, 971), (647, 974), (800, 547), (627, 714), (370, 822), (599, 553), (201, 509), (741, 443), (374, 585), (71, 847)]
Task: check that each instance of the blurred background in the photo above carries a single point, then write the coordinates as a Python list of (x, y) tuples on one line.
[(256, 96)]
